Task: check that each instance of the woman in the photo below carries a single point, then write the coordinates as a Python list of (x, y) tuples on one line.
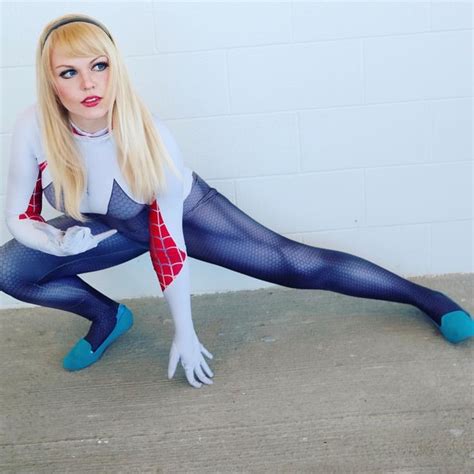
[(120, 180)]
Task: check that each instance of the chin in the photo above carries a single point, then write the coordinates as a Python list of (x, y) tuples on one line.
[(93, 112)]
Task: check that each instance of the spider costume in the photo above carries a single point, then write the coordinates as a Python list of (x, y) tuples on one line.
[(189, 219)]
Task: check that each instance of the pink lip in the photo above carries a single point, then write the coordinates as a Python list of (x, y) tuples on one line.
[(93, 104)]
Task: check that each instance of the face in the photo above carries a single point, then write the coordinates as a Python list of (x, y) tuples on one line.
[(78, 78)]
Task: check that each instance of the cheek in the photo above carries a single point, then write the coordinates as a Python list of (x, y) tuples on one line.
[(105, 76), (63, 91), (105, 87)]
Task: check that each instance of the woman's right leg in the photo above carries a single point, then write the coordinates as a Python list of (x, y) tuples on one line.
[(47, 280)]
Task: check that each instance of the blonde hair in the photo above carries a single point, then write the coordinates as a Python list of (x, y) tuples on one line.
[(140, 149)]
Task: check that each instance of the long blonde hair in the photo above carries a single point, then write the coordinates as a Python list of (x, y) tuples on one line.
[(140, 149)]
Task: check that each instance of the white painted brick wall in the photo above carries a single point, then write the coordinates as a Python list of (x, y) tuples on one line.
[(344, 125)]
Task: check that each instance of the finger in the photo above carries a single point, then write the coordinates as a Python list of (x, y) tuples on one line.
[(173, 363), (83, 241), (105, 235), (206, 368), (206, 352), (201, 376), (190, 376), (78, 232), (76, 235)]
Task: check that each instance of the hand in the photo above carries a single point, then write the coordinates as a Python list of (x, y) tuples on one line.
[(74, 240), (78, 239), (188, 349)]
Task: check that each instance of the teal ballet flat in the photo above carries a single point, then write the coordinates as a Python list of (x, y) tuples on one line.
[(81, 355), (456, 326)]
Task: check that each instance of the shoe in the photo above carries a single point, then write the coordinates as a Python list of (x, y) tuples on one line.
[(81, 355), (456, 326)]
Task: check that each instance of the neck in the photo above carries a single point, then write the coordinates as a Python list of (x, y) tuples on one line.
[(88, 126), (79, 131)]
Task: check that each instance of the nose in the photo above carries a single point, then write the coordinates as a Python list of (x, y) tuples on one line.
[(87, 82)]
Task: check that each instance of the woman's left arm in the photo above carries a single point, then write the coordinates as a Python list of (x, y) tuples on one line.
[(186, 345), (171, 263)]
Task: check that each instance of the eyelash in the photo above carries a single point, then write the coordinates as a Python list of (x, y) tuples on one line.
[(63, 74)]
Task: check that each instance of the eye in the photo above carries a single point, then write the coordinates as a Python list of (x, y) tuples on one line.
[(106, 65), (102, 63)]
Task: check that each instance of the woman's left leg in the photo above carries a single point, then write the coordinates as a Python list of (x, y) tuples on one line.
[(218, 232)]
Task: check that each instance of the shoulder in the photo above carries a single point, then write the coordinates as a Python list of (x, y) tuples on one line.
[(26, 134), (168, 139)]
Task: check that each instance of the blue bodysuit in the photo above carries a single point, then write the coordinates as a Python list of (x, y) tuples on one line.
[(193, 218)]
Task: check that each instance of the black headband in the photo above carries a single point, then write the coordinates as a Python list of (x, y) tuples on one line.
[(72, 20)]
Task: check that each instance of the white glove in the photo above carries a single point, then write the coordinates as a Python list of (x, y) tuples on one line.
[(74, 240), (188, 349)]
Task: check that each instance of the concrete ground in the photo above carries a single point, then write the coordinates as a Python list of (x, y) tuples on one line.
[(305, 381)]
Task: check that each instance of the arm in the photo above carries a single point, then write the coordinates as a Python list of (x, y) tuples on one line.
[(170, 261), (24, 199), (24, 194)]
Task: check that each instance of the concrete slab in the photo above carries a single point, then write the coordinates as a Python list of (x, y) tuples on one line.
[(305, 381)]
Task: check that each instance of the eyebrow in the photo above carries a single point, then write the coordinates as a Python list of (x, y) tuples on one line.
[(68, 65)]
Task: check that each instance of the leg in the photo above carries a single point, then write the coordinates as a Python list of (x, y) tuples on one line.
[(36, 277), (218, 232)]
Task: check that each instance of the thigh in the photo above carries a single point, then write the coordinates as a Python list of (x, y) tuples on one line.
[(218, 232), (21, 263)]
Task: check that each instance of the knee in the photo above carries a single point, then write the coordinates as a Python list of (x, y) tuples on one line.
[(14, 267), (306, 266), (5, 266)]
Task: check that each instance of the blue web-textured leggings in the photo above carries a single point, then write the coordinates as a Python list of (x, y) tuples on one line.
[(215, 231)]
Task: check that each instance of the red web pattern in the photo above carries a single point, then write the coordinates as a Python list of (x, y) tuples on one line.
[(166, 257), (36, 201)]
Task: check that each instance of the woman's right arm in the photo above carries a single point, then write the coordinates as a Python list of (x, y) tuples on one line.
[(23, 201)]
